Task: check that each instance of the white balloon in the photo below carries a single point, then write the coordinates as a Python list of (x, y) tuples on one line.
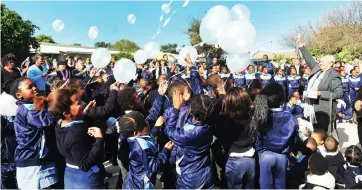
[(58, 25), (238, 62), (93, 32), (101, 58), (213, 22), (348, 68), (124, 70), (240, 12), (237, 37), (131, 18), (8, 105), (184, 51), (151, 49), (140, 57), (166, 8)]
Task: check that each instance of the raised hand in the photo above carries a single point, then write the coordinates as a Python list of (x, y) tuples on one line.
[(160, 121), (169, 145), (221, 89), (177, 99), (188, 60), (115, 86), (65, 84), (95, 132), (162, 89), (299, 40), (91, 105)]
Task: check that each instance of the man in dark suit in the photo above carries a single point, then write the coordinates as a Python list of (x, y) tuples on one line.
[(298, 67), (324, 85)]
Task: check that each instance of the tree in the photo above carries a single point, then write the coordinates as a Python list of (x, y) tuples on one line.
[(339, 33), (16, 34), (169, 48), (121, 55), (126, 46), (44, 38), (76, 44), (102, 44), (194, 35)]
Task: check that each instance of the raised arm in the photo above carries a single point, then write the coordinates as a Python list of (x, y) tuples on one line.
[(307, 56)]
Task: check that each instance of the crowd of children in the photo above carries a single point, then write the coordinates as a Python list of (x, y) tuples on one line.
[(199, 128)]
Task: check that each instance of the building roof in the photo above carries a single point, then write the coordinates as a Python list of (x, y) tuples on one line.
[(259, 55), (50, 48), (288, 54)]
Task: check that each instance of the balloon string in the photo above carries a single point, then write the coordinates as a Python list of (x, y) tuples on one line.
[(91, 78)]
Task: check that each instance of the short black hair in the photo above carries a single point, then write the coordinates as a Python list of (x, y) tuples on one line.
[(201, 107), (176, 86), (131, 122), (13, 86), (8, 57), (126, 99), (353, 155)]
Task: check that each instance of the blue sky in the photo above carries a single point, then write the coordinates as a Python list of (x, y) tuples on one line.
[(271, 19)]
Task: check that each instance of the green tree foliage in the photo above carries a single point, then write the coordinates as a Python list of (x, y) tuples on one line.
[(125, 46), (194, 35), (44, 38), (121, 55), (102, 44), (338, 33), (16, 34), (169, 48)]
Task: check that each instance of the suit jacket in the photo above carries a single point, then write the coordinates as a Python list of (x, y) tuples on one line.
[(330, 83)]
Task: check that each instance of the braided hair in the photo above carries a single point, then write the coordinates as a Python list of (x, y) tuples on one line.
[(353, 155), (132, 122), (272, 96), (201, 107)]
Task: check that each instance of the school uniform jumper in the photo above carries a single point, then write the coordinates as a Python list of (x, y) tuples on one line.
[(354, 82), (34, 165), (193, 163), (273, 146), (293, 84), (145, 161)]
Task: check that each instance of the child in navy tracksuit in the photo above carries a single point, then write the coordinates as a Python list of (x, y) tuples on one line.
[(280, 78), (343, 112), (304, 79), (144, 158), (293, 81), (355, 84), (345, 82), (277, 131), (35, 168), (239, 80), (353, 172), (193, 162), (249, 75), (265, 77)]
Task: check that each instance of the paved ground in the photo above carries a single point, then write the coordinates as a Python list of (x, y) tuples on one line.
[(347, 135)]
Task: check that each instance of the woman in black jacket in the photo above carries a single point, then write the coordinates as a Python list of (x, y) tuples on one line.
[(237, 137)]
